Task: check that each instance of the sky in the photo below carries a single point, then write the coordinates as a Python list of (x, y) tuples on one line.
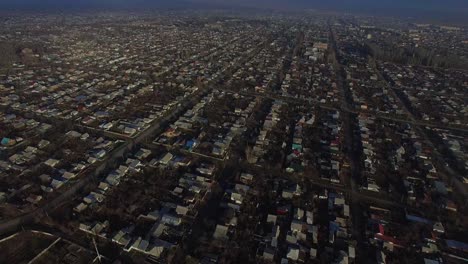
[(414, 8)]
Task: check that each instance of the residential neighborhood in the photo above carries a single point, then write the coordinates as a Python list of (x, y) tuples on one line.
[(224, 137)]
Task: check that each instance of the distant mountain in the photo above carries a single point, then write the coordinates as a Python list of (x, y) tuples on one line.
[(91, 4), (348, 4), (438, 10), (426, 9)]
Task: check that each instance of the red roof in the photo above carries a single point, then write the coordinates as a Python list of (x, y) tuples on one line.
[(381, 229)]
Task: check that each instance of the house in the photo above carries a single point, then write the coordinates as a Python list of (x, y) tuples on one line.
[(80, 208), (31, 149), (118, 236), (290, 192), (122, 170), (85, 227), (133, 164), (438, 227), (158, 246), (271, 219), (293, 253), (182, 210), (103, 186), (166, 159), (46, 189), (159, 229), (351, 252), (107, 126), (282, 210), (291, 238), (136, 244), (52, 162), (84, 136), (93, 197), (130, 131), (310, 218), (206, 169), (237, 197), (154, 215), (73, 134), (246, 178), (430, 261), (298, 213), (6, 142), (100, 154), (143, 246), (297, 225), (313, 253), (269, 254), (113, 179), (34, 199), (372, 186), (243, 189), (55, 184), (440, 187), (43, 144), (287, 194), (429, 248), (220, 232), (79, 167), (275, 231), (142, 154), (68, 175), (171, 220), (45, 178)]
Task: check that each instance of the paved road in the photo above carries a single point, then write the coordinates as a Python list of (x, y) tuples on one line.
[(347, 109)]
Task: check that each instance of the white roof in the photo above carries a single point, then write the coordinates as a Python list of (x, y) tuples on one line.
[(220, 232), (293, 253)]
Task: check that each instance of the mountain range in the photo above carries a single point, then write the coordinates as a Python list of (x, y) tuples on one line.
[(427, 9)]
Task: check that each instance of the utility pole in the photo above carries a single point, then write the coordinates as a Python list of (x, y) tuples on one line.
[(97, 251)]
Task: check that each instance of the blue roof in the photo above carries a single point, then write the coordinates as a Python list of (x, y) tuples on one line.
[(418, 219), (334, 226), (178, 158), (102, 113), (190, 143), (80, 98), (456, 244), (10, 116), (5, 141)]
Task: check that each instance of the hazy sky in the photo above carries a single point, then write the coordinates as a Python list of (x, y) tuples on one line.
[(417, 8)]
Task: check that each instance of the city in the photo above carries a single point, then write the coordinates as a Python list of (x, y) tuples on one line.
[(223, 137)]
